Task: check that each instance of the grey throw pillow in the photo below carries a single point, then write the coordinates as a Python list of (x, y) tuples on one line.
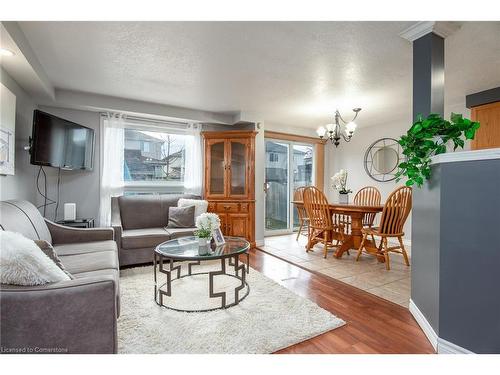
[(181, 217), (51, 253)]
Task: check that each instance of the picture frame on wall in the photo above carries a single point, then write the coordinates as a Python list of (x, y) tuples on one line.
[(218, 237), (7, 130)]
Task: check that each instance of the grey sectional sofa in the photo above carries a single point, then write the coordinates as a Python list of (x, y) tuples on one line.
[(75, 316), (140, 223)]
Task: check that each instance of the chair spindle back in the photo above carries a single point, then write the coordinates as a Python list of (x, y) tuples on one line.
[(368, 196), (396, 211), (298, 195), (317, 208)]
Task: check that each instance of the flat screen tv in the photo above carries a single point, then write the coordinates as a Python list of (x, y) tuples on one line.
[(61, 143)]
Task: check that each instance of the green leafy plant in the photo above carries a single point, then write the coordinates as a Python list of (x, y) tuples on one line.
[(428, 137)]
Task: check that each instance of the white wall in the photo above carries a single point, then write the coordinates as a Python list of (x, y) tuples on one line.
[(21, 185)]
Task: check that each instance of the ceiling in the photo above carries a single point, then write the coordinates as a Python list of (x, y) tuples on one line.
[(288, 73)]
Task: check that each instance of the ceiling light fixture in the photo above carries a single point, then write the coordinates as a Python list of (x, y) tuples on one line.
[(334, 131), (6, 52)]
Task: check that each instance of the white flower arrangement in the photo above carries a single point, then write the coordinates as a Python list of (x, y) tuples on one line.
[(207, 223), (339, 182)]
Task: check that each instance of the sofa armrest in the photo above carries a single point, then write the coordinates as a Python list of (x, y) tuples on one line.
[(116, 221), (61, 234), (74, 316)]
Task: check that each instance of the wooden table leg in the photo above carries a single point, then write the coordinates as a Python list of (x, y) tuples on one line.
[(356, 226), (346, 245)]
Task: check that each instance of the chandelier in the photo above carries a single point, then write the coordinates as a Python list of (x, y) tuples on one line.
[(334, 131)]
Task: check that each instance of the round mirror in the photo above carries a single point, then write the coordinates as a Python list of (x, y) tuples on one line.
[(385, 160), (382, 159)]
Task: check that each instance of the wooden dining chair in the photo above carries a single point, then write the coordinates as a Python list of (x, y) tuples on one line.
[(321, 225), (368, 196), (298, 195), (396, 211)]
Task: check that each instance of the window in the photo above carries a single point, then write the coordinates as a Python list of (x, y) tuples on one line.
[(273, 157), (145, 146), (153, 160)]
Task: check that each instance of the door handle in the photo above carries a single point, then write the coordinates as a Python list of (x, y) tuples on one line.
[(266, 187)]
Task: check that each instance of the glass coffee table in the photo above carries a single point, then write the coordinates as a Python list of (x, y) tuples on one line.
[(169, 254)]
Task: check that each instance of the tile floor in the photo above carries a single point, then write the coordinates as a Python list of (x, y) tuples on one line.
[(367, 274)]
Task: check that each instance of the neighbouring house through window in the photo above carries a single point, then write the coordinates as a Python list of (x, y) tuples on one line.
[(153, 156)]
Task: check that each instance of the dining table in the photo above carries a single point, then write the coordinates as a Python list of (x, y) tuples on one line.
[(353, 239)]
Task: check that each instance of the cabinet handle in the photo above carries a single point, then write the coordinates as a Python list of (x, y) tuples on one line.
[(227, 207)]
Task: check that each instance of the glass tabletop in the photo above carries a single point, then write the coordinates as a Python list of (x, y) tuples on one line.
[(188, 248)]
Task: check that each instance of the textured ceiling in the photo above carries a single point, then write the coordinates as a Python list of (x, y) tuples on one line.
[(290, 73)]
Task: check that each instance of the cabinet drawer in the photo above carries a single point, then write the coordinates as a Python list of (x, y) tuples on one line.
[(227, 207)]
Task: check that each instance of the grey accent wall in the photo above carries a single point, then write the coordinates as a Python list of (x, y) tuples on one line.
[(428, 75), (425, 240), (80, 187), (22, 184), (469, 298), (456, 253)]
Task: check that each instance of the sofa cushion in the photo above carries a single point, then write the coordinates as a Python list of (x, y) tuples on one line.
[(181, 217), (24, 218), (201, 206), (99, 260), (147, 211), (146, 237), (181, 232), (85, 247), (51, 253), (22, 262)]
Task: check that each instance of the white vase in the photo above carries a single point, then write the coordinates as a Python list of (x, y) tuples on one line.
[(343, 198), (204, 246), (203, 241)]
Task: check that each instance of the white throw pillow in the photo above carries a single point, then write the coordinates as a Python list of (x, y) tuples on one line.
[(22, 262), (200, 206)]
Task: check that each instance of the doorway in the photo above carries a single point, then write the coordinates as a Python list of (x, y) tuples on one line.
[(289, 165)]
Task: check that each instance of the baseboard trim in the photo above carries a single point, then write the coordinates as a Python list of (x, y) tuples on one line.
[(441, 346), (424, 324), (446, 347), (260, 243)]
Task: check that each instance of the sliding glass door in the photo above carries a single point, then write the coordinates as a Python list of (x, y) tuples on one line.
[(289, 165)]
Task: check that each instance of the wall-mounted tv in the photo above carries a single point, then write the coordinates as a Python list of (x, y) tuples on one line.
[(61, 143)]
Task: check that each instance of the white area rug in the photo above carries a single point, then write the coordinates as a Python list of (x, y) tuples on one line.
[(269, 319)]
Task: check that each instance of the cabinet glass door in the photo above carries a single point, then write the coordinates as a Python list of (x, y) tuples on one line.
[(217, 167), (238, 169)]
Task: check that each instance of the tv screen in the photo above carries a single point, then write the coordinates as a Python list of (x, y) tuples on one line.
[(61, 143)]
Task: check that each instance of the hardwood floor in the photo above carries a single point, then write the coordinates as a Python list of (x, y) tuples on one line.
[(374, 325)]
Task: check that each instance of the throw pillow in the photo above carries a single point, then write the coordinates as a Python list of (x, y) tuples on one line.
[(22, 262), (181, 217), (51, 253), (200, 205)]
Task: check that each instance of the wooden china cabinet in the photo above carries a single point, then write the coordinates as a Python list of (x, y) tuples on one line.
[(230, 180)]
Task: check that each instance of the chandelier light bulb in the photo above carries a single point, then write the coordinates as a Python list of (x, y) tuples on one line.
[(330, 127), (350, 127), (321, 131)]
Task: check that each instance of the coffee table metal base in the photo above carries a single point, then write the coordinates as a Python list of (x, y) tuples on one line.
[(165, 265)]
